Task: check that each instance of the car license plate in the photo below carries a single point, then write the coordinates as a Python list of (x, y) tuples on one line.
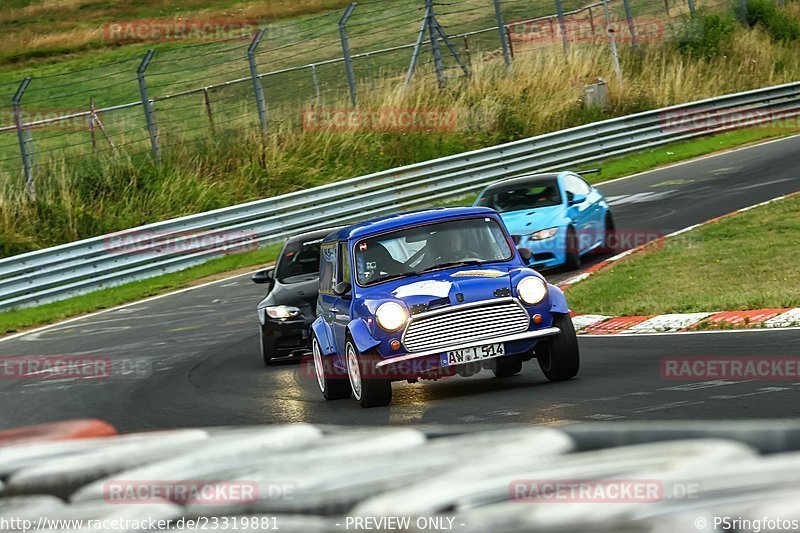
[(477, 353)]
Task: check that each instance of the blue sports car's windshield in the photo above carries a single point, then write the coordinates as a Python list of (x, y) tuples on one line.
[(516, 197), (415, 250)]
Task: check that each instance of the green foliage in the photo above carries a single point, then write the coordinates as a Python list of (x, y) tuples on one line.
[(706, 35), (779, 24)]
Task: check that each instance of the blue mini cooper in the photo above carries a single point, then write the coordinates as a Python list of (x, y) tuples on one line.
[(431, 294)]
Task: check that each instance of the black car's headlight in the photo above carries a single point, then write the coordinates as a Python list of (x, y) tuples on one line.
[(532, 290), (282, 311)]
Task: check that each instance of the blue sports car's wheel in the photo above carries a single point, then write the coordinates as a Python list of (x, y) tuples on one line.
[(368, 389), (332, 382), (559, 357), (609, 238)]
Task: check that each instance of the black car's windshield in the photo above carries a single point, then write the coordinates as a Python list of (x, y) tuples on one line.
[(516, 197), (298, 261), (415, 250)]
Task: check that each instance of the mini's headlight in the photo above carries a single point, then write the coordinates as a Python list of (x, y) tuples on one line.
[(532, 290), (282, 311), (544, 234), (391, 316)]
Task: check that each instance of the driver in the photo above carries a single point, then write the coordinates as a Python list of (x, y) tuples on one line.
[(442, 246), (378, 262)]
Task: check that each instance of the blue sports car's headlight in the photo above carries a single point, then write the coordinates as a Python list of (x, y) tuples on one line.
[(532, 290), (391, 316), (544, 234)]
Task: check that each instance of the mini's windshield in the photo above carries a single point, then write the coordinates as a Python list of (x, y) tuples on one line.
[(415, 250), (298, 261), (541, 193)]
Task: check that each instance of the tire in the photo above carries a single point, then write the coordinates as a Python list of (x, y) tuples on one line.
[(508, 366), (369, 392), (333, 383), (267, 347), (610, 229), (573, 250), (559, 357)]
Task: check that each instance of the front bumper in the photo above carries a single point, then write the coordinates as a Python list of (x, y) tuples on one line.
[(526, 335)]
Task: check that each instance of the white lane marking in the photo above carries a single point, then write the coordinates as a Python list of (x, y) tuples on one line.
[(789, 318), (765, 390), (604, 417), (764, 184), (638, 198), (671, 322), (703, 385), (665, 406)]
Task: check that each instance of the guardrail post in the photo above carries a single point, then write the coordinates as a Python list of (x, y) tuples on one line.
[(348, 61), (562, 22), (149, 114), (258, 89), (501, 28), (631, 24), (23, 142)]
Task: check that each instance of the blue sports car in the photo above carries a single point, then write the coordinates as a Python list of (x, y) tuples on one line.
[(559, 216), (432, 294)]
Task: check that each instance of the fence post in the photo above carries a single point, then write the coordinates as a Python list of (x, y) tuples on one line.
[(501, 28), (612, 41), (258, 89), (149, 114), (316, 84), (92, 125), (417, 48), (209, 112), (691, 8), (562, 22), (666, 8), (744, 12), (23, 143), (437, 52), (348, 61), (631, 24)]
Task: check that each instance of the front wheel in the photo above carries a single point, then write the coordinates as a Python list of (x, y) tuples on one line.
[(368, 390), (332, 382), (505, 367), (573, 250), (267, 347), (559, 357)]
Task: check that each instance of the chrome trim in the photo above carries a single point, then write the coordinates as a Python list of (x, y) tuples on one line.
[(546, 332), (463, 307)]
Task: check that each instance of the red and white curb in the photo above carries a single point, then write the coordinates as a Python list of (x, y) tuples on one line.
[(630, 325)]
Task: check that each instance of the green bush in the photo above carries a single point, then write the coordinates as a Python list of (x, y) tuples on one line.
[(706, 34), (778, 23)]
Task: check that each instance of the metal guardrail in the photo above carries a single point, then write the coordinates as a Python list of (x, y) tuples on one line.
[(84, 266)]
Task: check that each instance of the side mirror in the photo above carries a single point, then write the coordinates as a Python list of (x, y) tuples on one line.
[(343, 289), (262, 277), (526, 254), (577, 199)]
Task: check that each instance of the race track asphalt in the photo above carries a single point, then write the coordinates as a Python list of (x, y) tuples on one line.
[(192, 359)]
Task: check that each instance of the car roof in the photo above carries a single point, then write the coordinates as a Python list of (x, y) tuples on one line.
[(400, 220), (312, 235), (525, 180)]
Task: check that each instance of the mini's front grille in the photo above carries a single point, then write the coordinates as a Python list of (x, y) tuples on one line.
[(464, 324)]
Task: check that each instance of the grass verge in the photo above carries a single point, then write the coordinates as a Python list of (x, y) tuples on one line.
[(747, 261), (14, 321)]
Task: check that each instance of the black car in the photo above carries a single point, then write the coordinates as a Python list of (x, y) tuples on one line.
[(290, 306)]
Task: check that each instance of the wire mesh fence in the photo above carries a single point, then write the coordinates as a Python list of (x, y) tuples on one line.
[(270, 77)]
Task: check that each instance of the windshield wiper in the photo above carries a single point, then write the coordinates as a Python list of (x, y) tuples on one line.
[(451, 264)]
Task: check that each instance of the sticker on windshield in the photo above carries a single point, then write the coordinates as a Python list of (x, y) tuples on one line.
[(362, 247), (439, 289)]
